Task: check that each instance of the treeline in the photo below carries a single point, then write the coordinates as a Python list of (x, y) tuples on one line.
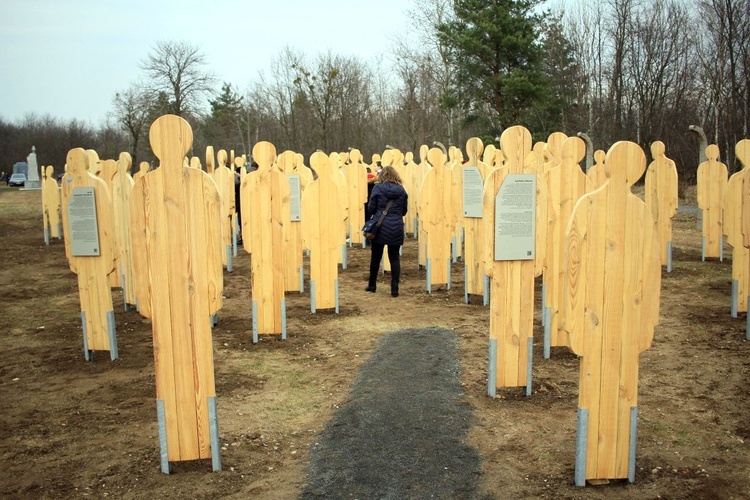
[(615, 69)]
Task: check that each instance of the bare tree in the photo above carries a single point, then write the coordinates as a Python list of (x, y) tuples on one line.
[(178, 70), (132, 109)]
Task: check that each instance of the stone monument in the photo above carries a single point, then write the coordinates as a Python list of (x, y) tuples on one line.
[(32, 179)]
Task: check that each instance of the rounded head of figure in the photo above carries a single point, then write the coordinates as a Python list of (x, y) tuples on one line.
[(264, 153), (389, 174), (515, 144), (170, 137), (77, 161), (625, 163), (712, 152), (657, 149)]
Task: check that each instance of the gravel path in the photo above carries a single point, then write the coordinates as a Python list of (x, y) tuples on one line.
[(401, 434)]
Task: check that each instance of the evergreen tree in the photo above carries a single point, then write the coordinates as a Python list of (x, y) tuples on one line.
[(221, 128), (498, 58)]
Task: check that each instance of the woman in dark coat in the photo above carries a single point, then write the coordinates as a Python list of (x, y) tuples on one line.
[(391, 233)]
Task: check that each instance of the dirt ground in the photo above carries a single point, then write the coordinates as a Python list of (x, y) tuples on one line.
[(75, 429)]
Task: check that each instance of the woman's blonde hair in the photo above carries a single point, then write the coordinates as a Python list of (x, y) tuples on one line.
[(389, 174)]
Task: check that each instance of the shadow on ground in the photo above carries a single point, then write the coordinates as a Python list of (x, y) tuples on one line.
[(401, 435)]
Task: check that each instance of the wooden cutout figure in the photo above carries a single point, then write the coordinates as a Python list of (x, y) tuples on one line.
[(95, 164), (662, 198), (265, 212), (424, 167), (108, 170), (97, 315), (488, 155), (51, 194), (733, 208), (224, 178), (712, 185), (333, 168), (210, 160), (45, 219), (474, 227), (597, 173), (565, 183), (553, 155), (143, 169), (539, 154), (322, 216), (122, 186), (511, 281), (195, 162), (293, 250), (179, 207), (356, 183), (612, 286), (435, 216), (411, 181)]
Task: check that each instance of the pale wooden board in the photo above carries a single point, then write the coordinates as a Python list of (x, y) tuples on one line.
[(266, 192), (512, 282), (662, 195), (180, 207), (612, 286), (435, 215), (107, 173), (122, 186), (598, 173), (553, 156), (565, 183), (45, 188), (424, 167), (713, 178), (412, 182), (356, 183), (93, 282), (322, 215), (210, 159), (736, 204), (474, 228), (52, 202), (289, 163), (224, 178)]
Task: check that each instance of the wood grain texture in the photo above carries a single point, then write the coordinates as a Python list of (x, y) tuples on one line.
[(122, 187), (93, 282), (356, 183), (322, 215), (436, 214), (613, 281), (566, 183), (713, 178), (475, 233), (512, 282), (598, 173), (224, 178), (266, 193), (662, 195), (52, 202), (180, 208)]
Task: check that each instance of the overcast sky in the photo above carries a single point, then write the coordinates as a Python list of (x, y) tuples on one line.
[(68, 58)]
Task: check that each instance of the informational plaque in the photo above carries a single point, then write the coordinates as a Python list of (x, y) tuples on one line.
[(84, 233), (295, 198), (473, 190), (514, 218)]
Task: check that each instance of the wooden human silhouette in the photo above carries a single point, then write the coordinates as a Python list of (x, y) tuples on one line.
[(565, 184), (322, 216), (613, 280), (179, 208), (210, 160), (356, 183), (435, 216), (733, 208), (412, 182), (424, 167), (662, 198), (224, 178), (597, 173), (512, 281), (107, 171), (474, 227), (488, 155), (122, 186), (553, 155), (143, 169), (713, 178), (265, 212), (97, 315), (51, 204), (293, 250)]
